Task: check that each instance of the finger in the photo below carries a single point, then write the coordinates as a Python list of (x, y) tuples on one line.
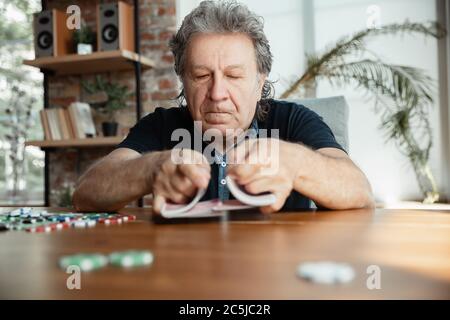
[(158, 203), (264, 152), (198, 175), (244, 173), (260, 185), (278, 205), (172, 194), (197, 158), (239, 154), (183, 185), (267, 210)]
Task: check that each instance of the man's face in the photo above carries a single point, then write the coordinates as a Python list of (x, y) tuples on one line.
[(221, 82)]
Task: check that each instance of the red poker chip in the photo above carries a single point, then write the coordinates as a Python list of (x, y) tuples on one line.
[(40, 229), (109, 221), (49, 227), (129, 217)]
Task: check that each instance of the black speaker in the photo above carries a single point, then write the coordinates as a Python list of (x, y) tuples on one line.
[(115, 26), (51, 35)]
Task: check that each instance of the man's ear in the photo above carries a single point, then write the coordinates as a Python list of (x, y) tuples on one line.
[(261, 80)]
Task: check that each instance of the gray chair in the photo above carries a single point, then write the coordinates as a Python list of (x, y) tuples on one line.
[(334, 111)]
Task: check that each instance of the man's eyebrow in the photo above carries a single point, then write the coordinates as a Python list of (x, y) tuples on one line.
[(197, 66), (233, 66)]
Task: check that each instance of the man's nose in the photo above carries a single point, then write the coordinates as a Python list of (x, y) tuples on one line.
[(218, 90)]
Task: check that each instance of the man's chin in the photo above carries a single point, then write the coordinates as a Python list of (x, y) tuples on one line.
[(222, 127)]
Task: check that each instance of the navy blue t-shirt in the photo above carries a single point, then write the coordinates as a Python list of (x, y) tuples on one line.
[(295, 123)]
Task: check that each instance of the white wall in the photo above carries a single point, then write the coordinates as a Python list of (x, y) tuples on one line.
[(389, 172)]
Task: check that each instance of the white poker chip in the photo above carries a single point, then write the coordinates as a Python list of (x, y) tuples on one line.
[(83, 223), (15, 213), (34, 214), (326, 272)]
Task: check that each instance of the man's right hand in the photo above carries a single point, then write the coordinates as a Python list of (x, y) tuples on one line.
[(178, 178)]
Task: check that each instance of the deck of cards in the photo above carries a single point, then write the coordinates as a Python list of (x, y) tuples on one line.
[(216, 207)]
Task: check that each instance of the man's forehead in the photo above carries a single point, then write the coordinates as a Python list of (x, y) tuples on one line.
[(234, 51)]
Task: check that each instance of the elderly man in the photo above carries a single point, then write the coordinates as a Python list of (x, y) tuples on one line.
[(223, 58)]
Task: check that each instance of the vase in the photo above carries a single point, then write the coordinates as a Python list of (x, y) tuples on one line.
[(109, 129), (84, 48)]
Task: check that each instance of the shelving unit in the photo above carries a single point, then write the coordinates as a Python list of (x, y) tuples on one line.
[(76, 143), (97, 62)]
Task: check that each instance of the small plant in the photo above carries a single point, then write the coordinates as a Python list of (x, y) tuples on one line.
[(116, 96), (84, 35), (63, 196)]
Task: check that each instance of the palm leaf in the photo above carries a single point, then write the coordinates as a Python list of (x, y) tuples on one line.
[(356, 44)]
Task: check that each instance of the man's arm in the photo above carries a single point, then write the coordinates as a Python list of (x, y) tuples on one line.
[(331, 179), (126, 175), (327, 176), (121, 177)]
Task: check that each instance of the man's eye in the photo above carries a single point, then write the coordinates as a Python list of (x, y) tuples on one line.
[(233, 76), (201, 76)]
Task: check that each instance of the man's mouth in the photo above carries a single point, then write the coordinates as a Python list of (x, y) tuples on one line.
[(217, 117)]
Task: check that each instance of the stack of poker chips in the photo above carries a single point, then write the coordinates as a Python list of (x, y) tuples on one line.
[(93, 261), (326, 272), (32, 220)]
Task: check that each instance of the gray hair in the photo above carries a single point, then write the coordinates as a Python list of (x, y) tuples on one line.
[(224, 17)]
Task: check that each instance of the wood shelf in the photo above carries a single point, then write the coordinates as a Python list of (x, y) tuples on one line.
[(76, 143), (96, 62)]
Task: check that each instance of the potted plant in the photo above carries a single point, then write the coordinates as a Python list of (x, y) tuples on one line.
[(107, 98), (84, 40)]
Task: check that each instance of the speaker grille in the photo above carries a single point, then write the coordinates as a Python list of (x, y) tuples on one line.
[(110, 33), (45, 40)]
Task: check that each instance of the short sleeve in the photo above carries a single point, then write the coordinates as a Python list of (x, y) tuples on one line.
[(146, 135), (307, 127)]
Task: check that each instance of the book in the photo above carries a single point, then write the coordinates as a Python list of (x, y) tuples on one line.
[(45, 126), (78, 133), (216, 207), (52, 116), (72, 132), (63, 124), (82, 119)]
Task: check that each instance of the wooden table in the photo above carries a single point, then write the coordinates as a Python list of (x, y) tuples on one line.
[(254, 258)]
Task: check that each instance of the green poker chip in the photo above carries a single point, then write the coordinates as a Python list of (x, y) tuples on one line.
[(131, 258), (86, 262)]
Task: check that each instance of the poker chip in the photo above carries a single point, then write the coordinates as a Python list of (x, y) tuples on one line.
[(34, 214), (14, 213), (326, 272), (131, 258), (86, 262), (48, 227), (129, 217), (39, 221), (83, 223), (108, 221)]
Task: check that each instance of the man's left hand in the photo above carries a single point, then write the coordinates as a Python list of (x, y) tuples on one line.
[(265, 165)]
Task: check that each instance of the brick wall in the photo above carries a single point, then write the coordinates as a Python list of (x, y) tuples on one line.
[(159, 86)]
